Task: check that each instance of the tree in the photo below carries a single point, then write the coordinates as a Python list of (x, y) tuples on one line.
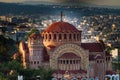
[(10, 69), (15, 65), (7, 49), (32, 31), (2, 78), (45, 74)]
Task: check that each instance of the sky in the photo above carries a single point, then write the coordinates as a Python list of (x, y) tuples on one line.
[(97, 2)]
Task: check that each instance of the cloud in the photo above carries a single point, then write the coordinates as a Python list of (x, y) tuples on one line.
[(11, 1), (97, 2)]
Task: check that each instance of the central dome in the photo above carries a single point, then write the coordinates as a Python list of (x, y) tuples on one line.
[(61, 27), (59, 33)]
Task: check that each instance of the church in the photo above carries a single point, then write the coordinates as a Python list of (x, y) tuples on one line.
[(59, 47)]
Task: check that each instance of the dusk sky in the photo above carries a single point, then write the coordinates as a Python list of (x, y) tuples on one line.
[(97, 2)]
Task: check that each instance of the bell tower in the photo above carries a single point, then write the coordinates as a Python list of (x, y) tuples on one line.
[(35, 44)]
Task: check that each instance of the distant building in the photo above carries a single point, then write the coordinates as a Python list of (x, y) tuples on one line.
[(59, 47)]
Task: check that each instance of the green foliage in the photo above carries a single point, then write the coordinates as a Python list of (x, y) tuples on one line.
[(7, 49), (7, 67), (13, 76), (4, 69), (2, 78), (15, 65), (28, 74), (42, 72), (116, 66), (32, 31), (108, 49), (46, 74)]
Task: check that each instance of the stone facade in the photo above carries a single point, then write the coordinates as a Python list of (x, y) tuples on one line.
[(59, 47)]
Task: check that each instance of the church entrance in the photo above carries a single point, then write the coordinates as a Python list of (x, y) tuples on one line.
[(69, 61)]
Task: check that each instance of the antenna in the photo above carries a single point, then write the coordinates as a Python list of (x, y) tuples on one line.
[(61, 16)]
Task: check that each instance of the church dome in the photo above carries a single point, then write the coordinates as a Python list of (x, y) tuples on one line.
[(59, 33), (61, 27)]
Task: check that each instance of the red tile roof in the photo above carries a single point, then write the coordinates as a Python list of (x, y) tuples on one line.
[(110, 72), (69, 56), (61, 27), (93, 47)]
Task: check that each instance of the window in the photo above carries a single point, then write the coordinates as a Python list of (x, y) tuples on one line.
[(31, 62), (46, 36), (70, 61), (67, 61), (49, 36), (74, 36), (34, 62), (78, 36), (70, 36), (37, 62), (43, 36), (74, 62), (65, 37), (60, 37), (97, 61), (64, 62), (54, 36), (106, 59)]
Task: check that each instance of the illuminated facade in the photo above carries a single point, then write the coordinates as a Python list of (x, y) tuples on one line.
[(59, 47)]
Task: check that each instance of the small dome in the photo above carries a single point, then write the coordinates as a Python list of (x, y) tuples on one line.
[(61, 27)]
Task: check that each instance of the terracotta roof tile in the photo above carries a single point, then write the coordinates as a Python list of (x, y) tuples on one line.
[(110, 72), (61, 27), (93, 47)]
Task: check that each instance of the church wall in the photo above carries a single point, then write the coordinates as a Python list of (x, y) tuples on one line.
[(69, 48)]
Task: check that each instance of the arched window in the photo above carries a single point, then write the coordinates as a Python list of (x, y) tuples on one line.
[(37, 62), (70, 36), (45, 36), (54, 36), (49, 36), (65, 37), (31, 62), (74, 62), (63, 61), (97, 61), (34, 62), (70, 61), (77, 36), (74, 36), (60, 37), (67, 61)]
